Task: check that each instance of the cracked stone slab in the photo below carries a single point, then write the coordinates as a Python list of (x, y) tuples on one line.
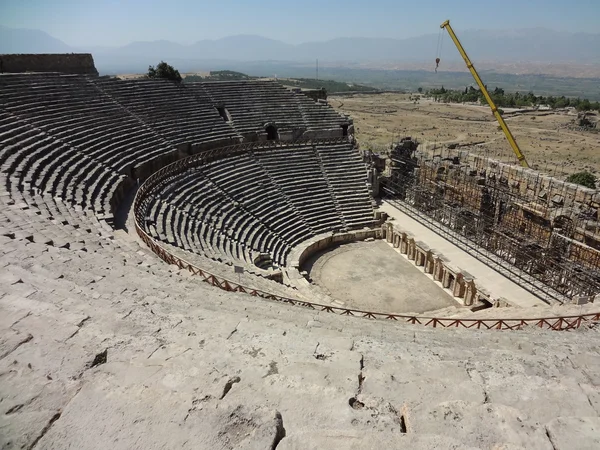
[(11, 340), (414, 382), (29, 400), (359, 440), (479, 425), (144, 414), (541, 398), (593, 395), (581, 433)]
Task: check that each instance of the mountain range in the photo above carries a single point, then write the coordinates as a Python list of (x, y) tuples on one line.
[(535, 45)]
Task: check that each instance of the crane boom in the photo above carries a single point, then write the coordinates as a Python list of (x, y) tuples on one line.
[(486, 94)]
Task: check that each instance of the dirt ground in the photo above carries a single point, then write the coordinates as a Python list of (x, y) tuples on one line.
[(372, 276), (541, 135)]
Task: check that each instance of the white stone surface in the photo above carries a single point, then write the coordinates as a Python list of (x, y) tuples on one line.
[(582, 433), (190, 366)]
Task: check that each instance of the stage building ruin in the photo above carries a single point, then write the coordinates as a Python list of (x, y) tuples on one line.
[(541, 232)]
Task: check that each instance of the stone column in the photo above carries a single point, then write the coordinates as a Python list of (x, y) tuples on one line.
[(411, 249), (446, 278), (430, 262), (418, 256), (459, 285), (470, 293), (389, 236), (404, 243), (438, 269), (397, 239)]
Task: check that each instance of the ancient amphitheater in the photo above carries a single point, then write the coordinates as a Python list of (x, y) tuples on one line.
[(211, 265)]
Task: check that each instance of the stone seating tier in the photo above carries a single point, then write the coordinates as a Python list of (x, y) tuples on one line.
[(74, 110), (265, 200), (169, 109), (86, 139), (252, 105)]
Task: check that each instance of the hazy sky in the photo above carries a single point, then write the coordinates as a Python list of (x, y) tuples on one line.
[(117, 22)]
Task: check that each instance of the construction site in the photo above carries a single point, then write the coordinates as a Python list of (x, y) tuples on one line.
[(541, 232)]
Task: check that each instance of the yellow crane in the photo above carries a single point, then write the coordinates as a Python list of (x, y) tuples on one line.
[(486, 94)]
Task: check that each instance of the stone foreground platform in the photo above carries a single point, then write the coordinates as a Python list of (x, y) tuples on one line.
[(103, 346)]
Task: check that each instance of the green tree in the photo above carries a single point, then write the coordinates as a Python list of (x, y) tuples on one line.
[(584, 105), (420, 90), (165, 71), (583, 179), (561, 102)]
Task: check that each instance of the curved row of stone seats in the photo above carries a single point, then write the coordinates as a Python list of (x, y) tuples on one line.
[(232, 208), (170, 224), (260, 201), (170, 109), (347, 179), (44, 219), (247, 184), (217, 218), (252, 105), (172, 220), (319, 115), (71, 108), (297, 172), (34, 160)]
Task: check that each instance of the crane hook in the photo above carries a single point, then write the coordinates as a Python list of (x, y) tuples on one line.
[(437, 63)]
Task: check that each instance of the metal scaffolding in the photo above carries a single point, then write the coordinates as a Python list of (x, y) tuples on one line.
[(540, 232)]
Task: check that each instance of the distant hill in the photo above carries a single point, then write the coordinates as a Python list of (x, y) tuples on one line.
[(535, 45), (537, 59), (219, 75), (330, 86), (30, 41), (527, 45)]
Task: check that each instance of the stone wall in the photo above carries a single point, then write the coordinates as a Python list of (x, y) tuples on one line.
[(306, 249), (316, 94), (76, 63), (548, 203), (535, 185), (319, 243)]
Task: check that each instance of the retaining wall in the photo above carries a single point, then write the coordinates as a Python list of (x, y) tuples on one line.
[(75, 63)]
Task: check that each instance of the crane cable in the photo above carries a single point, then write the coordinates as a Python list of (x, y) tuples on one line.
[(440, 46)]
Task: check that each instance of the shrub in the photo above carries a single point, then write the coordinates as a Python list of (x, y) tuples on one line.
[(583, 179)]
